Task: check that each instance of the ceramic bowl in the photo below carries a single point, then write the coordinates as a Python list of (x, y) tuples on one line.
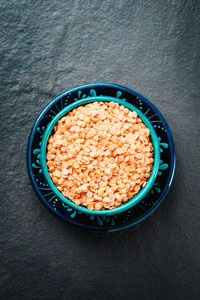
[(140, 195)]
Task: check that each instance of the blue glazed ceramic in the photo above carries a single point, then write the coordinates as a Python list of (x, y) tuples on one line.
[(139, 196), (133, 215)]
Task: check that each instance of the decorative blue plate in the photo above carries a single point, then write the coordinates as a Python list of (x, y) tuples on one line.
[(137, 213)]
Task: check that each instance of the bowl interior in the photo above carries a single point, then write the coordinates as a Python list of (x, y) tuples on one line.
[(156, 154)]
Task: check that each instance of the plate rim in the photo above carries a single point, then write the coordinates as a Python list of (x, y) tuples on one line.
[(171, 148)]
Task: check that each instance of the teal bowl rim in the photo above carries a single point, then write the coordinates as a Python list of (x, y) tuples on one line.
[(131, 202)]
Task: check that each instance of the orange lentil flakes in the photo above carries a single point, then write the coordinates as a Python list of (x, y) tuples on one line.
[(100, 155)]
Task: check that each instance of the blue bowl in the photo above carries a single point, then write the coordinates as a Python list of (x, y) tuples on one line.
[(140, 195)]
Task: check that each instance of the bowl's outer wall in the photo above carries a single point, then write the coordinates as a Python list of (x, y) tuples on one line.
[(138, 197)]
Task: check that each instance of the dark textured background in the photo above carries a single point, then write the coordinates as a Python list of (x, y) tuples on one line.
[(50, 46)]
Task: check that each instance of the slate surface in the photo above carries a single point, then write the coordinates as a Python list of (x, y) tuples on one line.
[(50, 46)]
